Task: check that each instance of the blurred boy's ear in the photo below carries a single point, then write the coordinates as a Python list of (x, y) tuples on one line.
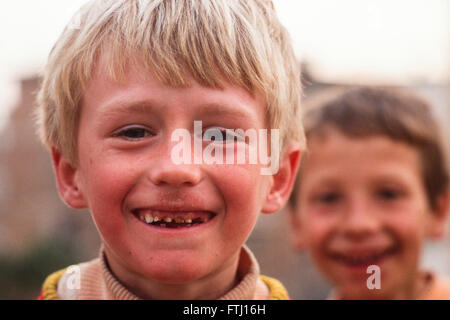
[(439, 215), (67, 180), (296, 232), (283, 180)]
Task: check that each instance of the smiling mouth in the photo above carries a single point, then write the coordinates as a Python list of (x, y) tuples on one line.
[(173, 219), (362, 258)]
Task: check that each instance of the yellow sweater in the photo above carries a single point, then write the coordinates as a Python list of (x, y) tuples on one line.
[(96, 282)]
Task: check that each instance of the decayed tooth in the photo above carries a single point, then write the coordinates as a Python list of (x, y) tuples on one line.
[(167, 219), (162, 225), (148, 218), (142, 218), (156, 219), (188, 221), (179, 220)]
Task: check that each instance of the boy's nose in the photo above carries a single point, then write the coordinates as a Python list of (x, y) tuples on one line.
[(164, 171), (360, 219)]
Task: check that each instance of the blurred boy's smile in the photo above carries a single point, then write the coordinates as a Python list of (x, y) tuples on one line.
[(361, 203), (358, 257)]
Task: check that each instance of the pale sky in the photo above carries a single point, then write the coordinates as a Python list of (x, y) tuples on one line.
[(398, 41)]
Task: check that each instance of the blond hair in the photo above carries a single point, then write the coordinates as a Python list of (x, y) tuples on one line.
[(240, 41)]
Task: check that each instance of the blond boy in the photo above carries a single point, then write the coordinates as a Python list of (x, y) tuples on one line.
[(118, 84), (372, 188)]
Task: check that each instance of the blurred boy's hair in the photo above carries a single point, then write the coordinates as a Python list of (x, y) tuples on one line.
[(238, 41), (397, 114)]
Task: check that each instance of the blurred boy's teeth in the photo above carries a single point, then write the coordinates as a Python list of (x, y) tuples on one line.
[(358, 259)]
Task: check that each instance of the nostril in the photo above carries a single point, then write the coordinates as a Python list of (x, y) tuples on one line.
[(176, 175)]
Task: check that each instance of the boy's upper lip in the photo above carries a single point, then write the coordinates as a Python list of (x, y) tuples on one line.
[(173, 209), (172, 202), (174, 213), (372, 244), (361, 251)]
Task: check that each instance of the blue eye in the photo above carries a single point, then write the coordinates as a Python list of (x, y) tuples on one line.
[(133, 133)]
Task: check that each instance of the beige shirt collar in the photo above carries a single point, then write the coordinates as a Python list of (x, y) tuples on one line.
[(97, 282)]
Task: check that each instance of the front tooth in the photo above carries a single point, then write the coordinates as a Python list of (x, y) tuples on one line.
[(167, 219), (148, 218), (156, 219), (188, 221)]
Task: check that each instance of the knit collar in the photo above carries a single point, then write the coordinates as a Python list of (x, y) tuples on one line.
[(248, 275)]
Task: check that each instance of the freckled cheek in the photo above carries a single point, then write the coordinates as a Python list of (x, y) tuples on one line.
[(407, 235), (318, 231), (240, 189), (411, 247), (108, 183), (316, 224), (317, 246), (407, 228), (318, 235)]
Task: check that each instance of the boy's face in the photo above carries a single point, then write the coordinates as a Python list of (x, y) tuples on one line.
[(125, 171), (362, 202)]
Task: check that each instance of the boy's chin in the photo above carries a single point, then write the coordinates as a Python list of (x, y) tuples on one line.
[(362, 292), (171, 265), (179, 271), (359, 293)]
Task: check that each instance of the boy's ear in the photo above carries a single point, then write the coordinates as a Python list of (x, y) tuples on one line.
[(295, 226), (439, 216), (67, 181), (283, 180)]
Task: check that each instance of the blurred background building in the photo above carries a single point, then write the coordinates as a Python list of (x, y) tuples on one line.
[(398, 43)]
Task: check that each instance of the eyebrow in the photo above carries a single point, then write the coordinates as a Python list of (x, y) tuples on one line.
[(142, 107), (121, 108), (217, 109)]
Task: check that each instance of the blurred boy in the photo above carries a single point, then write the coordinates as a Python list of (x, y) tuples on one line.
[(372, 187), (117, 87)]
